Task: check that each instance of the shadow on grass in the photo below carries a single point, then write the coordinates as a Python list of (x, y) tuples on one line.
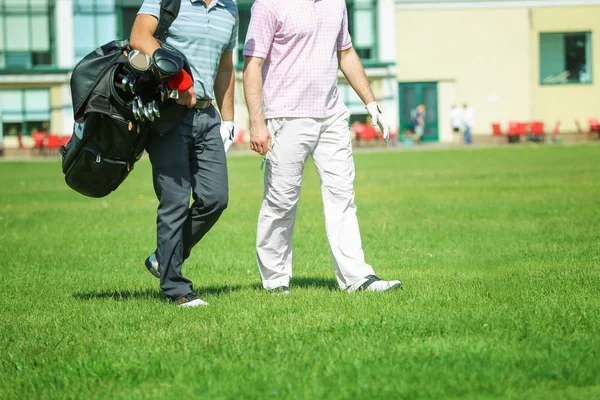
[(312, 282), (121, 295), (151, 294), (155, 294)]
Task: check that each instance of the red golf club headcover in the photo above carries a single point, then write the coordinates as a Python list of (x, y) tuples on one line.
[(182, 81)]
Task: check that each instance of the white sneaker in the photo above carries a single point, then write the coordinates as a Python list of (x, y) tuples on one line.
[(152, 265), (280, 291), (371, 283), (189, 301)]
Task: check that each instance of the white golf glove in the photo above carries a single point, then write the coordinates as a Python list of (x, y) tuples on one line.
[(227, 134), (377, 119)]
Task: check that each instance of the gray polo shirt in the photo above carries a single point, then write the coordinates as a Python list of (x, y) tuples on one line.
[(201, 33)]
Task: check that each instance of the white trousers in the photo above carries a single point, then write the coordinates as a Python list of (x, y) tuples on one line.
[(328, 141)]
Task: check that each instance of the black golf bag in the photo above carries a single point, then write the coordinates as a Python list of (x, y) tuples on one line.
[(115, 109)]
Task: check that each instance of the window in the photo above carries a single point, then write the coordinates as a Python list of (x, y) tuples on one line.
[(128, 10), (94, 24), (25, 111), (362, 24), (565, 58), (26, 33)]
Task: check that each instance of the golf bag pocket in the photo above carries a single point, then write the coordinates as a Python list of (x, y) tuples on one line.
[(98, 158)]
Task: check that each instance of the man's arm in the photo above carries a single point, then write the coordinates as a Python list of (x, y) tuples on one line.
[(354, 72), (260, 138), (142, 34), (225, 86), (142, 39)]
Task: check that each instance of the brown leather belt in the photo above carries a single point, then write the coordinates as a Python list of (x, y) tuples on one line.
[(201, 104)]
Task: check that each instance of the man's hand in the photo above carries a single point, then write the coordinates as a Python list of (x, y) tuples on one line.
[(227, 133), (260, 139), (377, 119), (187, 98)]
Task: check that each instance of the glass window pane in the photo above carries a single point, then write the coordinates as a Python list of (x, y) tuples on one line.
[(80, 6), (1, 34), (40, 30), (16, 5), (84, 32), (17, 33), (576, 57), (106, 29), (39, 5), (18, 59), (565, 58), (11, 101), (106, 6), (37, 105), (363, 35)]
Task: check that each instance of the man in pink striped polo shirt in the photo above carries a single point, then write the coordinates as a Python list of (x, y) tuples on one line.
[(293, 50)]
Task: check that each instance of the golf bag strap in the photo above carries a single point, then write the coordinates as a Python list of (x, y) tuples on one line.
[(169, 9)]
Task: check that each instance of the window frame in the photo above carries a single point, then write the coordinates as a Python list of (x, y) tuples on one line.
[(589, 62), (28, 12), (374, 7), (95, 12)]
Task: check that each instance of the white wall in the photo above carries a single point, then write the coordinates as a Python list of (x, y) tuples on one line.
[(64, 33)]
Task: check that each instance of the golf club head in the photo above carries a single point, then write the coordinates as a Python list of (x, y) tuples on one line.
[(174, 94), (125, 82), (139, 61), (132, 84), (148, 113), (163, 91), (140, 106), (155, 109), (135, 110)]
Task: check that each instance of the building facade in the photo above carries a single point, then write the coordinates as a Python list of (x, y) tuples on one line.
[(512, 60), (42, 40)]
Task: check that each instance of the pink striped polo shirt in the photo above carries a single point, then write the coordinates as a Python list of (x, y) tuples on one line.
[(299, 40)]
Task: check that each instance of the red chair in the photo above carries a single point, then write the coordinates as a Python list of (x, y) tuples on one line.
[(64, 140), (556, 132), (522, 128), (513, 132), (239, 138), (39, 139), (393, 138), (369, 132), (53, 143), (594, 126), (537, 131), (497, 130)]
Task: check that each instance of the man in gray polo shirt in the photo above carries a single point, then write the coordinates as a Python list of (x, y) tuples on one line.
[(191, 157)]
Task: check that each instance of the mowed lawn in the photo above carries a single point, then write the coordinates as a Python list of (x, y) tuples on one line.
[(498, 249)]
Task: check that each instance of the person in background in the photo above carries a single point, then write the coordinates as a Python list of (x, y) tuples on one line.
[(456, 118), (468, 121), (419, 122)]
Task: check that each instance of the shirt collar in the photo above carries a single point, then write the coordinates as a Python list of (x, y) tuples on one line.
[(219, 2)]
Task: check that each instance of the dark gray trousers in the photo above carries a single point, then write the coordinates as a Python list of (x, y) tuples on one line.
[(190, 159)]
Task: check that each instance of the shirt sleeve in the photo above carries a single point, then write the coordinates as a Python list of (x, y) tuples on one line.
[(261, 31), (150, 7), (233, 41), (344, 41)]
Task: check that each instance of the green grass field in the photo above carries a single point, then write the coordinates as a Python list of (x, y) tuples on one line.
[(498, 249)]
